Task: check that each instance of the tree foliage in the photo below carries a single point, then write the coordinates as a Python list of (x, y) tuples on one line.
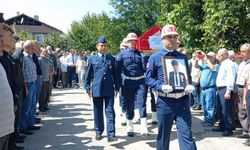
[(56, 40), (226, 23), (24, 35), (206, 25), (85, 33), (187, 16), (138, 15)]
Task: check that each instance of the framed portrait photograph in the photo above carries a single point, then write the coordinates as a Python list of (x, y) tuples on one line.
[(175, 72)]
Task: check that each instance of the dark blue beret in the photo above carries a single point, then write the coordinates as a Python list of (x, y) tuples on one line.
[(101, 39), (1, 18)]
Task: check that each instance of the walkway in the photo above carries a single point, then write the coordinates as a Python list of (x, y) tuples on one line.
[(69, 126)]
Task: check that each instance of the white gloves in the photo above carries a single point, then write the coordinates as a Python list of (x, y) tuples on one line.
[(166, 88), (189, 89)]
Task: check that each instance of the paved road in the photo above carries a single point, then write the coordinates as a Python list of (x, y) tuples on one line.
[(69, 126)]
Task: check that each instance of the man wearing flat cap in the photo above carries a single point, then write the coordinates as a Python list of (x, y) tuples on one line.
[(101, 72)]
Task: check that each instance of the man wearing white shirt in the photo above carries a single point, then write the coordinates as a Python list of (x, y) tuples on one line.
[(225, 85), (71, 63), (63, 62)]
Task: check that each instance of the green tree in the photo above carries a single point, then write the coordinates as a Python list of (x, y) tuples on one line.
[(56, 40), (25, 35), (137, 15), (226, 23), (188, 17), (84, 34)]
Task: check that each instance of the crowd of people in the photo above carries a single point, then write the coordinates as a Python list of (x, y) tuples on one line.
[(28, 74), (218, 84)]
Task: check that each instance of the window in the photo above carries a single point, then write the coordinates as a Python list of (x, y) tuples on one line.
[(39, 37)]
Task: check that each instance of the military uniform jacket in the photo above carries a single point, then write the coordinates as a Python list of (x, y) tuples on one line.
[(154, 74), (130, 63), (102, 76)]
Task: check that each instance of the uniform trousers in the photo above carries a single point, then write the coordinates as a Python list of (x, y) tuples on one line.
[(122, 102), (168, 110), (109, 112), (135, 90)]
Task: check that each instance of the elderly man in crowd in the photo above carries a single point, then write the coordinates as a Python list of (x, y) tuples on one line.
[(30, 76), (225, 85), (44, 62), (242, 77), (209, 70)]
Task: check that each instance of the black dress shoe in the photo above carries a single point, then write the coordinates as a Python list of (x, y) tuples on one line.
[(98, 137), (130, 134), (37, 121), (227, 133), (242, 136), (46, 108), (19, 147), (37, 118), (218, 129), (112, 139), (27, 132), (197, 108), (42, 110), (123, 123), (22, 136), (19, 136), (154, 122), (18, 140), (34, 128)]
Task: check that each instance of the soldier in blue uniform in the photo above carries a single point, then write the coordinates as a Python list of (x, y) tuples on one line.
[(130, 66), (123, 46), (101, 69), (171, 104)]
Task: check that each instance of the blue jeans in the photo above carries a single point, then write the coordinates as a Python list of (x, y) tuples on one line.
[(208, 104), (27, 110)]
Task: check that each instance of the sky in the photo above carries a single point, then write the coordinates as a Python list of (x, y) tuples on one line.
[(57, 13)]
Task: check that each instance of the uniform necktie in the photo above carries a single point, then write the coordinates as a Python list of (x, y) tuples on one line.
[(102, 58), (176, 79)]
